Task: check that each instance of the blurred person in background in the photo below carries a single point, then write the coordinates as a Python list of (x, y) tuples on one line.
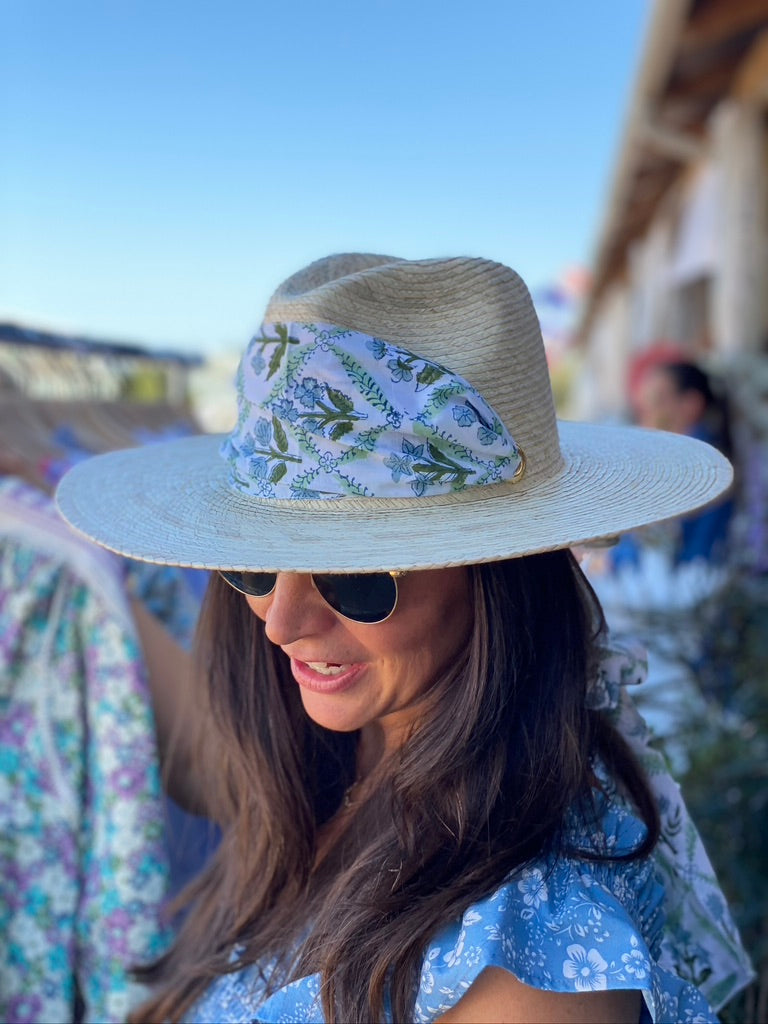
[(678, 396)]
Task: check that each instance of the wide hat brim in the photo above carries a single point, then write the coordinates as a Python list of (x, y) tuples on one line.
[(171, 503)]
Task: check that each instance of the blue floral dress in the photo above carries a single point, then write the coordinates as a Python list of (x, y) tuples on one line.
[(659, 925), (563, 924)]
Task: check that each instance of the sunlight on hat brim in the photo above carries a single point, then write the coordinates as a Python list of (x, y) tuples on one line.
[(171, 503)]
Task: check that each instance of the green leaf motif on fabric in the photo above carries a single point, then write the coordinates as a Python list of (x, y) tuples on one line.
[(352, 486), (340, 429), (338, 414), (439, 467), (428, 375), (440, 397), (365, 383), (281, 440), (282, 341), (342, 402)]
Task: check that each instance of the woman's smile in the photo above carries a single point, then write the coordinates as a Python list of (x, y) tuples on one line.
[(324, 676), (352, 675)]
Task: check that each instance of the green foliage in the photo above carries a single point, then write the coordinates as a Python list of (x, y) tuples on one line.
[(725, 739), (147, 384)]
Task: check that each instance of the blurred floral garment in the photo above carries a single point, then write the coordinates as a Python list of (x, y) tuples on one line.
[(83, 861)]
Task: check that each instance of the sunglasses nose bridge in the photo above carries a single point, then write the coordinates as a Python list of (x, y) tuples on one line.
[(295, 609)]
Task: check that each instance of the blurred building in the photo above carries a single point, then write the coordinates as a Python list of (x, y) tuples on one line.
[(681, 261), (682, 256), (46, 364), (64, 396)]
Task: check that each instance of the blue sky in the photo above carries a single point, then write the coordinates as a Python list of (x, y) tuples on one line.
[(166, 164)]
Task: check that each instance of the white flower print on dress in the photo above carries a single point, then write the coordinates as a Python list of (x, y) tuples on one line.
[(586, 968), (427, 977), (533, 887), (635, 961)]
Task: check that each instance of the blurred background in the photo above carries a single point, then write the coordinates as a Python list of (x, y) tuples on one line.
[(165, 166)]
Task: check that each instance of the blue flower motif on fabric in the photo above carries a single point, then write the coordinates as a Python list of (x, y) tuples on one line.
[(416, 450), (488, 432), (263, 431), (401, 370), (259, 467), (266, 454), (309, 392), (258, 362), (284, 409), (464, 415), (247, 445), (486, 435), (400, 466), (377, 347)]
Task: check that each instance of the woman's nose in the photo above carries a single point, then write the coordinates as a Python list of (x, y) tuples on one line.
[(295, 610)]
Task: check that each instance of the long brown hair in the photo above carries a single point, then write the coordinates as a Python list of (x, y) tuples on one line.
[(504, 749)]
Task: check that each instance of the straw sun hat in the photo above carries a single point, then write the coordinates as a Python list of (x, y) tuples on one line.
[(392, 415)]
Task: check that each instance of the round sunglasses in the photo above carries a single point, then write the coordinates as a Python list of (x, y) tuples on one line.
[(368, 597)]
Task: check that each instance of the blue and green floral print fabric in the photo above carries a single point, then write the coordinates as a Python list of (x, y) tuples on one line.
[(84, 869), (326, 412)]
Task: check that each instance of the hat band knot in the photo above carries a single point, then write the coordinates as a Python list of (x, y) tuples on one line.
[(325, 412)]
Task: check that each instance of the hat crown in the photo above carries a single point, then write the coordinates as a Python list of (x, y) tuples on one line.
[(474, 316)]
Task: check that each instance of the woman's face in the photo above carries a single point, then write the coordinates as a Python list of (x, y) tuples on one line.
[(352, 675)]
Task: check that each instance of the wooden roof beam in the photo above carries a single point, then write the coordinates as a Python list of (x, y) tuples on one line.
[(751, 82), (710, 83), (665, 24), (677, 145), (714, 22)]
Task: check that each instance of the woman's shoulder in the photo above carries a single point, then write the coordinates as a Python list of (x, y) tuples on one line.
[(567, 924)]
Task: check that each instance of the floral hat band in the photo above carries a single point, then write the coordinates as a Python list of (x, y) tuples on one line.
[(326, 412)]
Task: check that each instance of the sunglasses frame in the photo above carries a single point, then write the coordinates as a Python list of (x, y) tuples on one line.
[(395, 574)]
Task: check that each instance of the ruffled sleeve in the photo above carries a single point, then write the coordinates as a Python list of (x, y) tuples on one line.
[(567, 925)]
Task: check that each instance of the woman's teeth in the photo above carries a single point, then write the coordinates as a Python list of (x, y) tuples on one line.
[(327, 669)]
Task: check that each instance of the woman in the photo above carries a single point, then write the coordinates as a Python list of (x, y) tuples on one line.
[(428, 815), (679, 396)]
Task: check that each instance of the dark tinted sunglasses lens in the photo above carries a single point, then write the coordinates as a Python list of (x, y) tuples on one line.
[(364, 597), (255, 584)]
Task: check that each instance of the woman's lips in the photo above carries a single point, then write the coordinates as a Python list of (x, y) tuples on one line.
[(324, 676)]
